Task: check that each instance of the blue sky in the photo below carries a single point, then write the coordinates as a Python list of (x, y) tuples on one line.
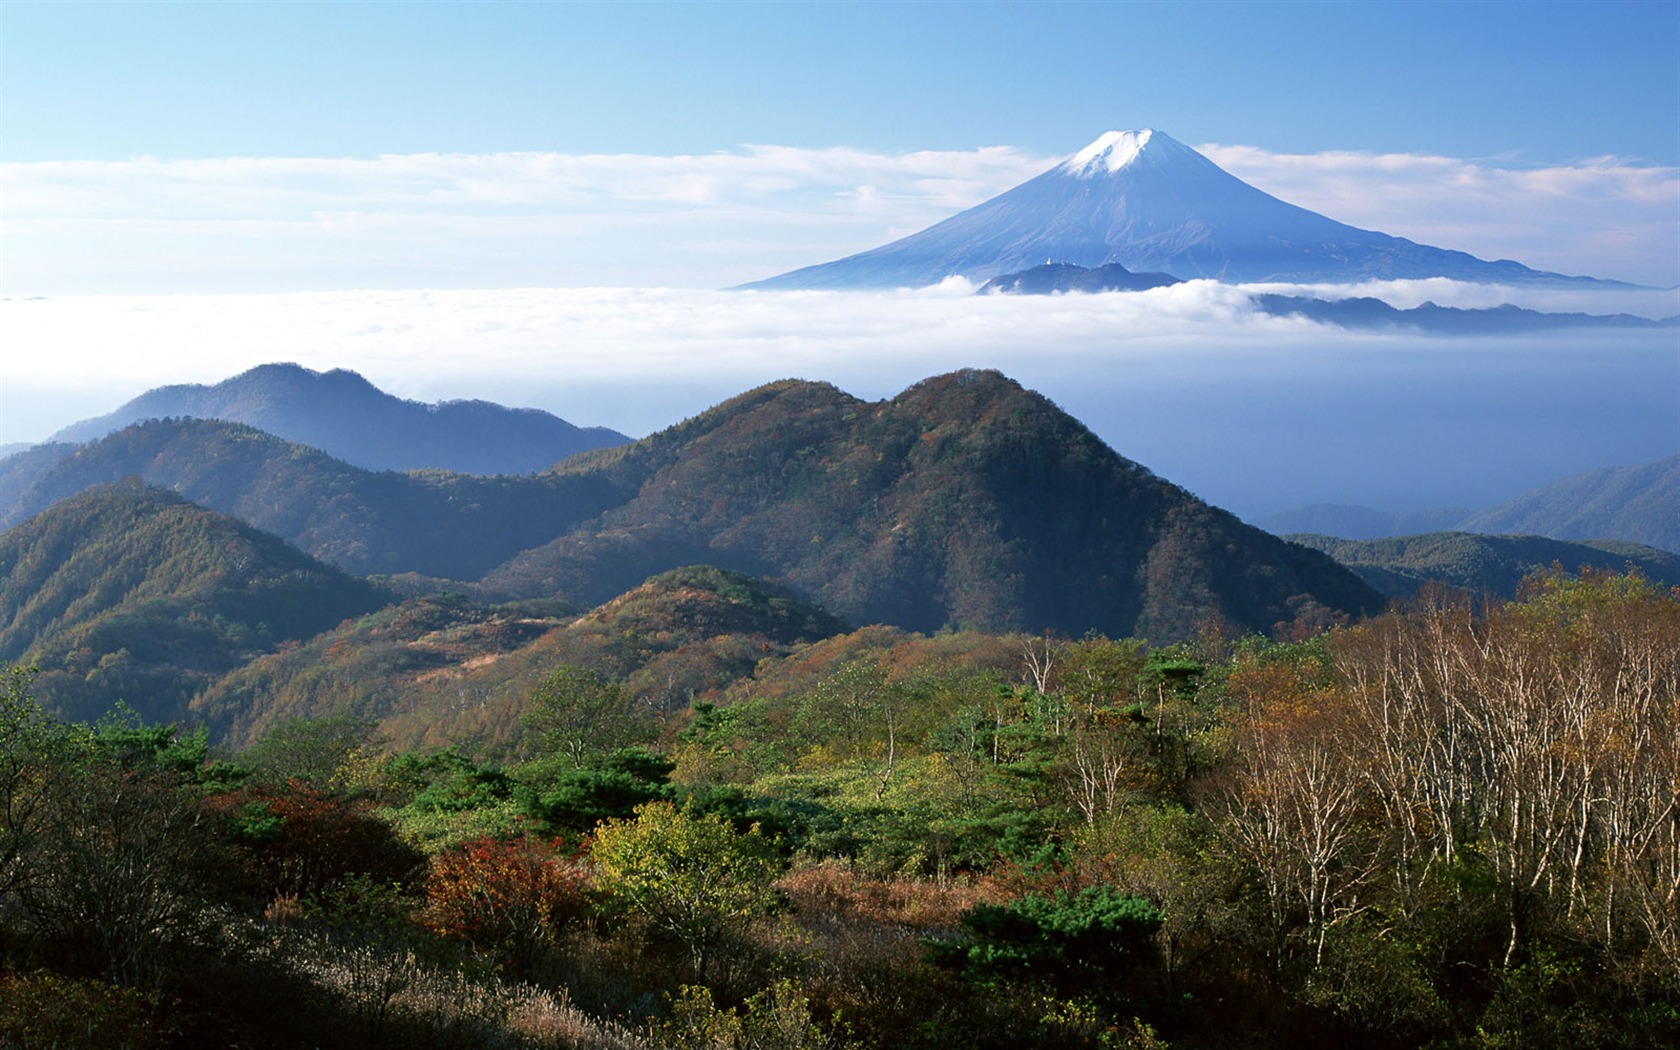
[(1539, 83), (535, 203)]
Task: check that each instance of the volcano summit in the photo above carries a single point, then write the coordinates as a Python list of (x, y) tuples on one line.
[(1151, 203)]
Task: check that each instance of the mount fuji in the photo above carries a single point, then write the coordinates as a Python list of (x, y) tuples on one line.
[(1148, 202)]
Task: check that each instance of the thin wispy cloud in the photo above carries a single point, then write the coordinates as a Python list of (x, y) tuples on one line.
[(1603, 217), (707, 221)]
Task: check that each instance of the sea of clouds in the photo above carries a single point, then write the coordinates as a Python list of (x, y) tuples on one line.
[(586, 285), (1254, 412)]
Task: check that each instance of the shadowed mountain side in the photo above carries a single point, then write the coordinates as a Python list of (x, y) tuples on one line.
[(20, 472), (448, 525), (131, 593), (1494, 565), (350, 419), (964, 501), (438, 670), (1640, 504)]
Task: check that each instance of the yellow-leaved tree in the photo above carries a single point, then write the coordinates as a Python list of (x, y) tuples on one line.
[(691, 875)]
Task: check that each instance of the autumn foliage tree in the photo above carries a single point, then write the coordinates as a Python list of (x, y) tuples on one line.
[(506, 897), (297, 839)]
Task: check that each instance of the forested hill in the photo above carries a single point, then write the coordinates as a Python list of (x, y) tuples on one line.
[(964, 501), (349, 418), (1485, 565), (450, 525), (131, 593)]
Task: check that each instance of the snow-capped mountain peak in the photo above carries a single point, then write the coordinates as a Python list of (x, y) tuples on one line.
[(1111, 151), (1145, 201)]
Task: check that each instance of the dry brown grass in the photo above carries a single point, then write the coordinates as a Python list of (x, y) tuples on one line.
[(835, 894)]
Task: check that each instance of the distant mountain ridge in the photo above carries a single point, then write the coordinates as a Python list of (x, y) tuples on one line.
[(1634, 504), (447, 525), (1366, 312), (349, 418), (1490, 565), (1359, 312), (1638, 503), (1150, 203), (1362, 523)]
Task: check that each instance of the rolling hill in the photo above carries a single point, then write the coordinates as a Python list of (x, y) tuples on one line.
[(964, 501), (1639, 504), (440, 670), (131, 593)]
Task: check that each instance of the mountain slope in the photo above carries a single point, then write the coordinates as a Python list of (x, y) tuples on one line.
[(132, 593), (1640, 504), (1149, 203), (674, 637), (964, 501), (436, 524), (1493, 565), (350, 419)]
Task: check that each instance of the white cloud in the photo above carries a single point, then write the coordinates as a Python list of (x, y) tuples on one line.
[(1603, 217), (510, 219), (471, 220)]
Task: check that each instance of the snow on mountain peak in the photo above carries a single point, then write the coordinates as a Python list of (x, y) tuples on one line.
[(1111, 151)]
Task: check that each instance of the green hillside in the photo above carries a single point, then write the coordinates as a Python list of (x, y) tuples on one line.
[(439, 670), (131, 593)]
